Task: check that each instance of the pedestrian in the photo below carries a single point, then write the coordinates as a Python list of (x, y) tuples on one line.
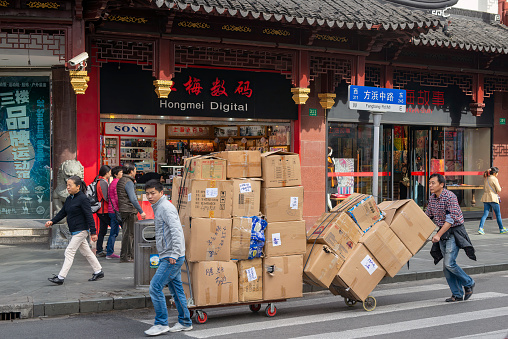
[(491, 199), (444, 209), (79, 215), (129, 207), (113, 210), (170, 243), (102, 213)]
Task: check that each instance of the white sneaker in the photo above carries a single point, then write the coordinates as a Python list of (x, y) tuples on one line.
[(157, 329), (179, 327)]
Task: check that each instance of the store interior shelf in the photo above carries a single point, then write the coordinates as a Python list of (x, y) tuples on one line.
[(136, 147)]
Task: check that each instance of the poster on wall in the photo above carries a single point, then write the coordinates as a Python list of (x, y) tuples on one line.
[(25, 147)]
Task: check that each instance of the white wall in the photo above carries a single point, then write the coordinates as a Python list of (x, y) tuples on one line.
[(489, 6)]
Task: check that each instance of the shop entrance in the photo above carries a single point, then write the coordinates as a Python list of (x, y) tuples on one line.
[(418, 166)]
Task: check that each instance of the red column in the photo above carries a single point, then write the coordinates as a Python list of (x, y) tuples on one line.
[(88, 126), (499, 148)]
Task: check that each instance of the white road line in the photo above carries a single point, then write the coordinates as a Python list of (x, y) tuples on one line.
[(489, 335), (297, 321), (412, 325)]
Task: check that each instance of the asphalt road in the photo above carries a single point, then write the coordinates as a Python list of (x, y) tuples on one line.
[(404, 310)]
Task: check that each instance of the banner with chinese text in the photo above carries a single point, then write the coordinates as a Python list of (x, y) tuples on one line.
[(25, 147)]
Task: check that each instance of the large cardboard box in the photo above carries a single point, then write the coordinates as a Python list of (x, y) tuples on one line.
[(408, 222), (282, 204), (281, 169), (362, 209), (240, 237), (285, 238), (213, 282), (242, 164), (203, 198), (204, 167), (282, 277), (386, 247), (250, 280), (246, 197), (208, 239), (338, 231), (361, 272), (321, 265)]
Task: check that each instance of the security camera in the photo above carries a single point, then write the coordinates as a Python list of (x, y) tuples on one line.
[(78, 59)]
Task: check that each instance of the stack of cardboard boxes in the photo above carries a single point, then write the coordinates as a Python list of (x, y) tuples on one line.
[(352, 248), (220, 198)]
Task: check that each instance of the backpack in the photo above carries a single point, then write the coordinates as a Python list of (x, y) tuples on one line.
[(91, 194)]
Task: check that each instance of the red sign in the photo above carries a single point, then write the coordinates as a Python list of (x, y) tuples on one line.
[(188, 131)]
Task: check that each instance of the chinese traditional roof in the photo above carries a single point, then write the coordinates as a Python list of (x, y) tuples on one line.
[(468, 30), (350, 14)]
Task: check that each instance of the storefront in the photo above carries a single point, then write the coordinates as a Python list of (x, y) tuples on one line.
[(436, 134)]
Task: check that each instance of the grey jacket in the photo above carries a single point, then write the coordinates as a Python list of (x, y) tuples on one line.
[(168, 230)]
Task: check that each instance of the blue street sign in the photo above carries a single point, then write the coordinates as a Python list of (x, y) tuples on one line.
[(377, 99)]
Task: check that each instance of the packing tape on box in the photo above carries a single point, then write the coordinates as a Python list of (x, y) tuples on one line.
[(406, 216), (283, 291), (207, 296), (286, 265), (213, 225), (219, 294), (231, 290)]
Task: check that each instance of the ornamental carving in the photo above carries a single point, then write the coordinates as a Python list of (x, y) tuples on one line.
[(280, 32), (119, 50), (39, 4), (499, 150), (189, 24), (233, 28), (34, 39), (4, 3), (127, 19), (373, 75), (341, 68), (327, 37), (494, 84)]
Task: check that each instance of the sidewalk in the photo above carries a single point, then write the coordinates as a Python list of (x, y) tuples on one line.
[(24, 270)]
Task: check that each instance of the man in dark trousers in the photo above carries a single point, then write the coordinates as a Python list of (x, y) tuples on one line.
[(171, 247), (129, 207), (445, 211)]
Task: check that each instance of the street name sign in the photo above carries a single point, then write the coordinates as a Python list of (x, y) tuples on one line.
[(377, 99)]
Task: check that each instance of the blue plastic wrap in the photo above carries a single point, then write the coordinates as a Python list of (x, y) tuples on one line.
[(257, 238)]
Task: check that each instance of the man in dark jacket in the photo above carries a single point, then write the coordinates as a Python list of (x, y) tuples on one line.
[(129, 207), (445, 211)]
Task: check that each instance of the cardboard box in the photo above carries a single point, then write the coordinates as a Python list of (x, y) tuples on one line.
[(386, 247), (408, 222), (362, 209), (250, 280), (242, 164), (213, 282), (285, 238), (282, 204), (240, 237), (204, 167), (208, 239), (281, 169), (321, 265), (338, 231), (282, 277), (203, 198), (246, 197), (361, 272)]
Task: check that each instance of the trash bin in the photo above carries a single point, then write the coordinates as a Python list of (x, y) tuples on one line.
[(144, 250)]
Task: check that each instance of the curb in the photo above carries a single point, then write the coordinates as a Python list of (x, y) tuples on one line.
[(59, 308)]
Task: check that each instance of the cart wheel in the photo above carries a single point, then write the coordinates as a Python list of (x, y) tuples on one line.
[(255, 307), (369, 304), (269, 312), (201, 317), (191, 312), (349, 302)]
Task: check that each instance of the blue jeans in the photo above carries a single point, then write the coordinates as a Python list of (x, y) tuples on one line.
[(170, 275), (497, 211), (113, 233), (455, 276)]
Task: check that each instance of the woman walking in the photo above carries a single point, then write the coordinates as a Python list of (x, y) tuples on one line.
[(491, 199), (113, 211), (103, 212), (79, 215)]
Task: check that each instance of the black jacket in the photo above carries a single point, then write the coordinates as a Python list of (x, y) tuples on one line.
[(461, 239), (79, 214)]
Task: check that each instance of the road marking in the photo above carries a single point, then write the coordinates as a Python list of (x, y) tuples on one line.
[(412, 325), (296, 321), (488, 335)]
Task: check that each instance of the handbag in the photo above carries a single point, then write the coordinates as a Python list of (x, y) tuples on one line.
[(494, 190), (118, 216)]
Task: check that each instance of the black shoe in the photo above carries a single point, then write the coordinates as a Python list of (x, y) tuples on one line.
[(56, 280), (453, 299), (96, 276), (468, 292), (100, 254)]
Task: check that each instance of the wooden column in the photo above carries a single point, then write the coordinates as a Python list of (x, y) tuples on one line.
[(165, 68)]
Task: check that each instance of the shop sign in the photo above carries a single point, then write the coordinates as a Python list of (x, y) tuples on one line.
[(377, 99), (188, 131), (25, 184), (141, 130), (502, 121), (312, 112)]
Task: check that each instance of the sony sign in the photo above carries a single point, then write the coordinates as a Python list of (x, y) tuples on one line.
[(142, 130)]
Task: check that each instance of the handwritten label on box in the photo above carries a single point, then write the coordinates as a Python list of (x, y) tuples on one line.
[(251, 274), (245, 187), (276, 239), (212, 192), (369, 264), (294, 203)]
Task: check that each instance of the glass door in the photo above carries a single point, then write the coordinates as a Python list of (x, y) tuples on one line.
[(419, 165), (386, 178)]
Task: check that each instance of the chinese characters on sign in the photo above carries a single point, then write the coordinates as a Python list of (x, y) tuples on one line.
[(24, 169), (423, 98), (376, 99), (186, 131)]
